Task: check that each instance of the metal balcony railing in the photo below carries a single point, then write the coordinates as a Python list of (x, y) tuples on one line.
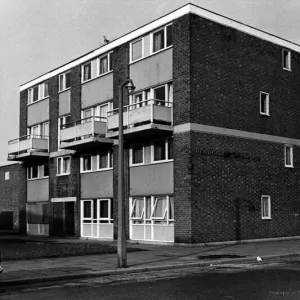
[(28, 143), (80, 129), (144, 112)]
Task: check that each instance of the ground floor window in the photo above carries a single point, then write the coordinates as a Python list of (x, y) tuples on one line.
[(38, 218), (97, 218), (152, 218)]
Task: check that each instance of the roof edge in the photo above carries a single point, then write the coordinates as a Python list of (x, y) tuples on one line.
[(188, 8)]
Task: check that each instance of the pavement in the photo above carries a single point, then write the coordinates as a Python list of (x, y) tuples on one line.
[(154, 258)]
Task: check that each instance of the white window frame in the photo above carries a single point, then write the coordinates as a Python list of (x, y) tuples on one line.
[(41, 93), (148, 101), (108, 64), (165, 39), (6, 175), (109, 166), (152, 220), (60, 165), (268, 216), (166, 150), (291, 156), (82, 163), (61, 121), (96, 65), (131, 156), (62, 77), (82, 72), (267, 113), (289, 65), (131, 52), (40, 172)]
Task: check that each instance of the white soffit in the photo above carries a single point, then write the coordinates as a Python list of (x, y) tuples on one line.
[(189, 8)]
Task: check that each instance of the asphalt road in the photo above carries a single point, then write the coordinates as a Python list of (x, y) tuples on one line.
[(277, 280)]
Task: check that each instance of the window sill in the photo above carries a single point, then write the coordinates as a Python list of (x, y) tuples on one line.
[(98, 76), (152, 163), (267, 218), (67, 89), (64, 174), (151, 54), (94, 171), (290, 167), (286, 69), (266, 115), (28, 104), (39, 178)]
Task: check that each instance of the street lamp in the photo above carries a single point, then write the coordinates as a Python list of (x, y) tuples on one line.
[(121, 245)]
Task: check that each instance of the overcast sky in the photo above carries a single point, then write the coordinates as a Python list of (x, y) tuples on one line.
[(39, 35)]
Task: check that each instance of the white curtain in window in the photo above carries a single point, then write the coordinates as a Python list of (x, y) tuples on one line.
[(103, 65)]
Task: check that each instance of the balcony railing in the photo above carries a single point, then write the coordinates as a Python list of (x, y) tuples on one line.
[(145, 112), (28, 143), (83, 128)]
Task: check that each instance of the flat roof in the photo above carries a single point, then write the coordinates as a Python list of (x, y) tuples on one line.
[(186, 9)]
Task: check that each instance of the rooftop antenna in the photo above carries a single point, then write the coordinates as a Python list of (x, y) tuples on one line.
[(106, 41)]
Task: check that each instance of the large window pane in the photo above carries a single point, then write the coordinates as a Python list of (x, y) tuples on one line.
[(103, 160), (137, 50), (169, 36), (36, 93), (171, 208), (103, 64), (159, 150), (160, 208), (68, 80), (137, 154), (103, 209), (170, 148), (138, 208), (66, 165), (87, 209), (158, 40), (87, 163), (87, 71)]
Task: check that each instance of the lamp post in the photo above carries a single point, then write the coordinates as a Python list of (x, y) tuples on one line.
[(121, 245)]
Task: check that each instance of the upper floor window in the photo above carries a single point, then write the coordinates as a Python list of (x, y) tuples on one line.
[(99, 112), (286, 59), (86, 163), (100, 161), (64, 81), (96, 67), (162, 95), (39, 130), (62, 121), (63, 165), (162, 38), (137, 154), (38, 171), (162, 150), (156, 41), (288, 156), (158, 151), (137, 49), (38, 92), (264, 104), (6, 176)]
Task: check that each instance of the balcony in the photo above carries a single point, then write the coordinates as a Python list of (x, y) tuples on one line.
[(28, 147), (84, 133), (152, 117)]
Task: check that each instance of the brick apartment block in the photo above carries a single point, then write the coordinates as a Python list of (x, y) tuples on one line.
[(211, 136)]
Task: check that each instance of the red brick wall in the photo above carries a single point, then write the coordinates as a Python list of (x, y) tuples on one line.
[(13, 194), (226, 190), (228, 70)]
